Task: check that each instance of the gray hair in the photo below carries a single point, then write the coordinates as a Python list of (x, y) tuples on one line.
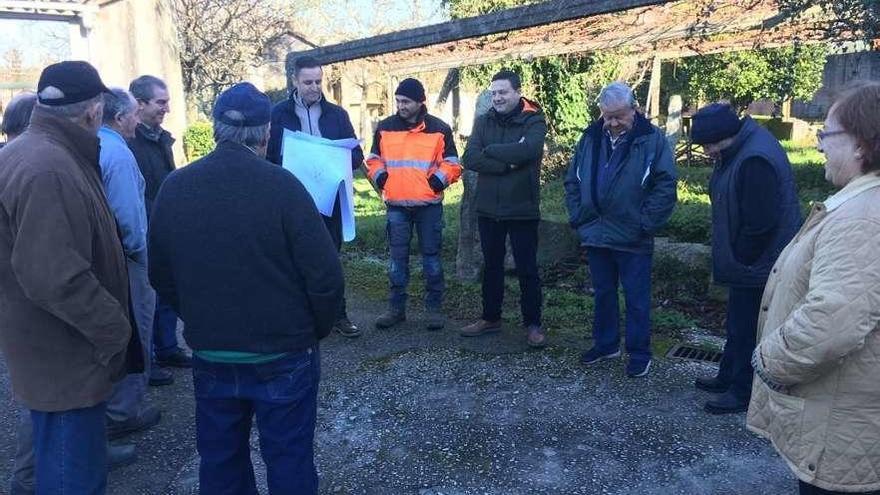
[(617, 94), (71, 111), (143, 88), (117, 102), (246, 135), (17, 115)]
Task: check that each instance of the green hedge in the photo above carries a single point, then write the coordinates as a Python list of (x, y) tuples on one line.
[(198, 140)]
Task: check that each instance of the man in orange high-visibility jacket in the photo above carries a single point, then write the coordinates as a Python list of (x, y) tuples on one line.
[(413, 159)]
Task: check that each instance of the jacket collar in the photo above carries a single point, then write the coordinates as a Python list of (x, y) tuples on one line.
[(641, 127), (419, 124), (855, 187), (525, 107), (110, 133), (295, 100), (157, 135), (82, 143), (745, 131)]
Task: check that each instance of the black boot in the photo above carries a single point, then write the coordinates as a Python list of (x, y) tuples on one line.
[(713, 385), (727, 403)]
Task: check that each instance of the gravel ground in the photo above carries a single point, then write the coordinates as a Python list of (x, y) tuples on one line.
[(406, 411)]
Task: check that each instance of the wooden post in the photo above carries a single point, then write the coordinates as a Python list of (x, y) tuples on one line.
[(652, 106)]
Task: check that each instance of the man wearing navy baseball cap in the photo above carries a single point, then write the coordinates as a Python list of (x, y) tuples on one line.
[(755, 213), (238, 248), (65, 329)]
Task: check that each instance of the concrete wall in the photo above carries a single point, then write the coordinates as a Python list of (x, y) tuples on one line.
[(130, 38)]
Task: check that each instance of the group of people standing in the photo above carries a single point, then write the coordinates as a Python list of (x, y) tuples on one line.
[(101, 244)]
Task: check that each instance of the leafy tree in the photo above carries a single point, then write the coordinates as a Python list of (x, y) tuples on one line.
[(565, 86), (778, 74)]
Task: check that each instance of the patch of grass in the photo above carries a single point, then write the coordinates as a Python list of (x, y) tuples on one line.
[(567, 308), (668, 320)]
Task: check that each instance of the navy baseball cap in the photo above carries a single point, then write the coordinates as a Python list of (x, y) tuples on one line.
[(76, 80), (713, 123), (253, 105)]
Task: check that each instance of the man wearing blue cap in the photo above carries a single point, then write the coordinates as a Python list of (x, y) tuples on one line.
[(755, 213), (239, 250)]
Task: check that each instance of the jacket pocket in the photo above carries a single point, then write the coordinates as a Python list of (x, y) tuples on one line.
[(786, 427)]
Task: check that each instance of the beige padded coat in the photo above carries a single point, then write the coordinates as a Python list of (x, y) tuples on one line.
[(816, 393)]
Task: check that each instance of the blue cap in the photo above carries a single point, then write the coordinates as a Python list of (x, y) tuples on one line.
[(714, 123), (253, 105)]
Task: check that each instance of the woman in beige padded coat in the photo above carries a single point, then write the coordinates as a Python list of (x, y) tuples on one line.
[(816, 393)]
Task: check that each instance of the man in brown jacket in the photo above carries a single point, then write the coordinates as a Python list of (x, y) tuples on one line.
[(64, 304)]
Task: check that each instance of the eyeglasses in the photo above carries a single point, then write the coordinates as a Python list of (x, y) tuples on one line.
[(822, 134)]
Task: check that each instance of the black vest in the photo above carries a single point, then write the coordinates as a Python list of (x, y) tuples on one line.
[(752, 140)]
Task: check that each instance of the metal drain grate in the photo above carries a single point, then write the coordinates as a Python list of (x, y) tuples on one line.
[(684, 351)]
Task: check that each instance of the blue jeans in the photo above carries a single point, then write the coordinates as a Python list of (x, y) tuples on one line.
[(608, 267), (428, 222), (283, 394), (70, 450), (164, 329)]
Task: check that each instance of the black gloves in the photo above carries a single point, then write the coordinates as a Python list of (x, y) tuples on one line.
[(381, 180), (435, 183)]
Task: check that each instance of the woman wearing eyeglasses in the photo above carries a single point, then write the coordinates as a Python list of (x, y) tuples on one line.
[(816, 392)]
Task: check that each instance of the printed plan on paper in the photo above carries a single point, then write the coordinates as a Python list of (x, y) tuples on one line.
[(324, 168)]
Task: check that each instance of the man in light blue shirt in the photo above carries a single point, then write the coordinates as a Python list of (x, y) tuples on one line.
[(127, 410)]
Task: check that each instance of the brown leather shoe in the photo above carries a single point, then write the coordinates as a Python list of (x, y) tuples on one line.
[(480, 327), (536, 337)]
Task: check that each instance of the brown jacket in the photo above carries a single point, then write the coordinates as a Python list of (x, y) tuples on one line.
[(817, 390), (64, 319)]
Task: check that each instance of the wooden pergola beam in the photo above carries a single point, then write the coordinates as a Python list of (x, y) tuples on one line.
[(497, 22)]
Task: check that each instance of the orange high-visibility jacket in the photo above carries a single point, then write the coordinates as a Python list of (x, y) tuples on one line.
[(410, 154)]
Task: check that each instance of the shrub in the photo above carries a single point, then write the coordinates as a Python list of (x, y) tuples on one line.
[(198, 140)]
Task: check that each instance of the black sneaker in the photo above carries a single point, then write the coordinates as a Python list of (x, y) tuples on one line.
[(148, 418), (177, 359), (346, 328), (160, 377), (637, 369), (390, 318)]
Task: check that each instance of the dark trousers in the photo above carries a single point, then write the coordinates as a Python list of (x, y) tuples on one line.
[(164, 329), (808, 489), (334, 226), (283, 395), (70, 451), (743, 305), (428, 223), (608, 267), (524, 241)]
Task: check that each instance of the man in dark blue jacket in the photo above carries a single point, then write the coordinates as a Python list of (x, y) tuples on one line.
[(755, 213), (619, 190), (255, 303), (308, 111)]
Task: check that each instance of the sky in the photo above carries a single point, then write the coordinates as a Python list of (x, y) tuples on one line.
[(44, 40), (348, 19)]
